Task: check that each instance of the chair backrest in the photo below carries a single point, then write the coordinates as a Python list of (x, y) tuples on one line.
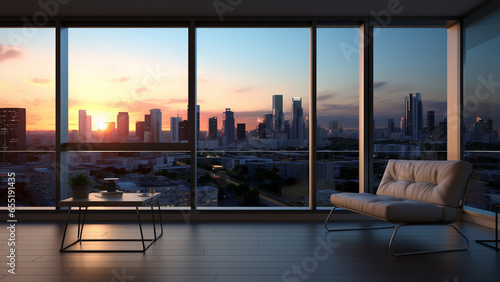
[(438, 182)]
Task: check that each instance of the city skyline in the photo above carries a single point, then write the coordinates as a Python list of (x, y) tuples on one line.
[(119, 86)]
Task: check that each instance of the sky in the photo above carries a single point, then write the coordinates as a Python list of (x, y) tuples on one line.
[(137, 69)]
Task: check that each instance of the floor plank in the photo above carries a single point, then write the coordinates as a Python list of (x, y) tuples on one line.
[(250, 251)]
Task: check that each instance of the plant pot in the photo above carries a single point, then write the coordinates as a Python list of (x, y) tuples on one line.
[(80, 192)]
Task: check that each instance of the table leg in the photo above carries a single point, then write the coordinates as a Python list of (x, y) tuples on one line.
[(140, 228), (496, 226), (83, 224), (154, 223), (485, 242), (159, 214), (78, 234), (65, 229)]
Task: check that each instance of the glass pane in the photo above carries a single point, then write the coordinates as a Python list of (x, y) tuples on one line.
[(253, 89), (167, 173), (27, 115), (481, 115), (338, 113), (409, 95), (127, 85)]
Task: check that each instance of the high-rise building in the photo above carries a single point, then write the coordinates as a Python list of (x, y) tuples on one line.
[(298, 127), (12, 129), (287, 129), (261, 130), (156, 124), (228, 128), (122, 123), (278, 115), (84, 126), (139, 130), (413, 116), (390, 125), (212, 128), (240, 130), (174, 128), (110, 132), (489, 126), (183, 130), (268, 120), (479, 129), (430, 122)]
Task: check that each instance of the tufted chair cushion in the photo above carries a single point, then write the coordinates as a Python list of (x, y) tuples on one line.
[(437, 182)]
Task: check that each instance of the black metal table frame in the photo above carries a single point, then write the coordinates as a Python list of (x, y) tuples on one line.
[(484, 242), (81, 224)]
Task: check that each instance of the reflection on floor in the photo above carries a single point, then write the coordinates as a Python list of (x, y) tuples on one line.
[(278, 251)]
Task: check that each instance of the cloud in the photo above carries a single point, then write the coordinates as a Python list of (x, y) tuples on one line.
[(40, 81), (121, 79), (141, 90), (335, 109), (9, 52), (244, 89), (35, 103), (325, 96), (379, 84), (177, 101)]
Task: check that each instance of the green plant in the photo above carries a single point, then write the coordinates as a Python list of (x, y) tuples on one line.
[(80, 180)]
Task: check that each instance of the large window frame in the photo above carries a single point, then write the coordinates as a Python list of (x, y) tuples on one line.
[(364, 47)]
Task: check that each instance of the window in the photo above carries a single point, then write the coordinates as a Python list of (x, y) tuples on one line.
[(253, 94), (166, 172), (127, 85), (480, 114), (27, 115), (409, 95), (337, 136)]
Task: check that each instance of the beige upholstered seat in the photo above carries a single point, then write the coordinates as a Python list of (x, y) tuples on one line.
[(413, 192)]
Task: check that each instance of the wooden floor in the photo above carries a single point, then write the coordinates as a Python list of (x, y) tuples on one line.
[(241, 252)]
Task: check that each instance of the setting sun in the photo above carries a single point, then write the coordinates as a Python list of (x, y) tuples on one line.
[(102, 125)]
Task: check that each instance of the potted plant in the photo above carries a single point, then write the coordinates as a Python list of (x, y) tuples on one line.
[(80, 186)]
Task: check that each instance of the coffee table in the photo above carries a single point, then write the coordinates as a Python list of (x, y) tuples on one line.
[(126, 200)]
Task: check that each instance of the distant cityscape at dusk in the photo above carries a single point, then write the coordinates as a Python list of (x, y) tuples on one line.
[(271, 178)]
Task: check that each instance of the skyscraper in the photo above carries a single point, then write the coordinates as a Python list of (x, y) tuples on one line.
[(268, 120), (278, 115), (156, 124), (174, 128), (183, 130), (430, 122), (12, 129), (390, 125), (298, 126), (479, 129), (110, 132), (84, 126), (148, 135), (228, 134), (122, 122), (240, 130), (139, 130), (212, 128), (414, 121), (489, 126)]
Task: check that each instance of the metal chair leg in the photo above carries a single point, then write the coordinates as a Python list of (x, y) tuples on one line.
[(426, 252), (350, 229)]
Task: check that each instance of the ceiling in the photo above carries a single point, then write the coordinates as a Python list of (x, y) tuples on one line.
[(240, 8)]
